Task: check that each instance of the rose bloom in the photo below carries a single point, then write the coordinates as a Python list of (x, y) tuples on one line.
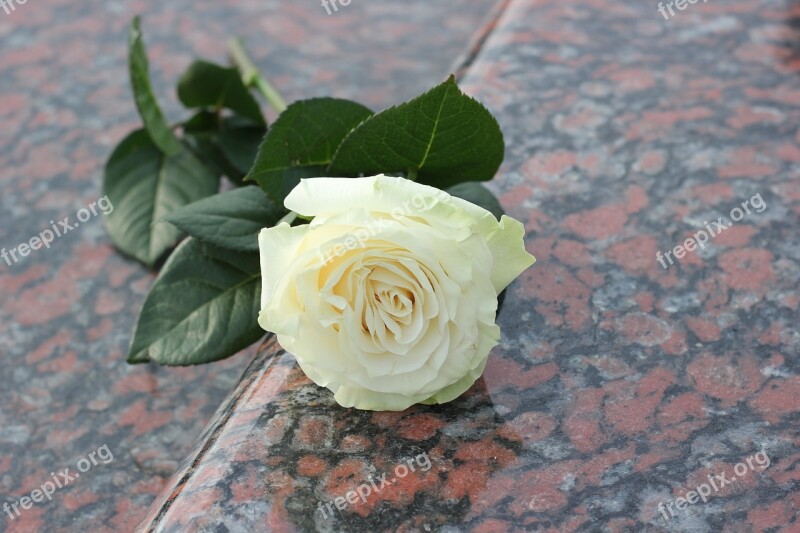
[(388, 297)]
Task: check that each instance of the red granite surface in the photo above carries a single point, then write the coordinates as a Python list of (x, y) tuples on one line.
[(66, 313), (619, 384)]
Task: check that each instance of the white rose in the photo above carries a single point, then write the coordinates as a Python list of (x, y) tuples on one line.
[(388, 297)]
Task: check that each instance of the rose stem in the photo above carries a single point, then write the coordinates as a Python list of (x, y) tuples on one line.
[(252, 77)]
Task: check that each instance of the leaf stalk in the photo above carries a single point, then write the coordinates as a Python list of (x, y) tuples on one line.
[(252, 77)]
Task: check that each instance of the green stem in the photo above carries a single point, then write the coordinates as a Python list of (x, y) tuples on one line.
[(412, 174), (252, 77), (289, 219)]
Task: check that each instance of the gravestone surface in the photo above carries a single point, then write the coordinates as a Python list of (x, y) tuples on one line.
[(620, 386), (67, 312)]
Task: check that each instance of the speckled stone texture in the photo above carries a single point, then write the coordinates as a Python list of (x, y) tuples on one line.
[(618, 384), (66, 313)]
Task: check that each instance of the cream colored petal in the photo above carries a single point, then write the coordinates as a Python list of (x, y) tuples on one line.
[(368, 400), (278, 246), (488, 339), (507, 245), (448, 394), (322, 197)]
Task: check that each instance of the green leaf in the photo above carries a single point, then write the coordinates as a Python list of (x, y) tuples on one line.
[(230, 220), (301, 143), (240, 141), (228, 145), (154, 121), (479, 195), (201, 134), (203, 307), (144, 185), (443, 136), (208, 85)]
